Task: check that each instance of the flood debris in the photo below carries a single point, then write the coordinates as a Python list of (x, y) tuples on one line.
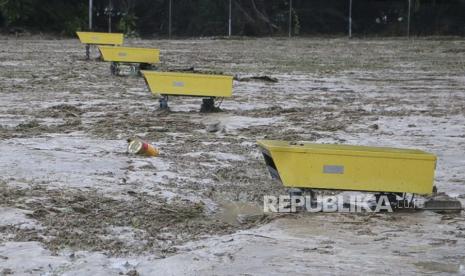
[(61, 111), (257, 78), (89, 220), (137, 146), (214, 126), (443, 203), (28, 125)]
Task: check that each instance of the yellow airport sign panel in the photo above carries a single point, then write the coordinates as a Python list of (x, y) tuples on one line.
[(130, 54), (100, 38), (344, 167), (189, 84)]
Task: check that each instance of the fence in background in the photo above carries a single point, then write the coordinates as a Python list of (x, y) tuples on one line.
[(294, 18)]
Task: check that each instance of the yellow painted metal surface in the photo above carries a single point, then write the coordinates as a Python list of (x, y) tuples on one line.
[(100, 38), (187, 84), (344, 167), (130, 54)]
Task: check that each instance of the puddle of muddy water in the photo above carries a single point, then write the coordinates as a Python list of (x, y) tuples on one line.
[(442, 267), (237, 212)]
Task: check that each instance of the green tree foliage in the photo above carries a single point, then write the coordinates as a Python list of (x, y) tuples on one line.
[(128, 20), (17, 11), (52, 15)]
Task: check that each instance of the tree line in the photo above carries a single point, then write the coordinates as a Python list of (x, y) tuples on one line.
[(149, 18)]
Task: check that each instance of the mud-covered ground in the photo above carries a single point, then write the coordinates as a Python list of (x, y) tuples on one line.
[(72, 201)]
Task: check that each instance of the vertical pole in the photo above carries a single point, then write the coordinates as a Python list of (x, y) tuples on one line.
[(350, 18), (230, 19), (90, 29), (408, 18), (90, 15), (110, 11), (169, 18), (290, 18)]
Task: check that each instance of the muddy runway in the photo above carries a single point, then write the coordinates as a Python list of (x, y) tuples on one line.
[(74, 201)]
